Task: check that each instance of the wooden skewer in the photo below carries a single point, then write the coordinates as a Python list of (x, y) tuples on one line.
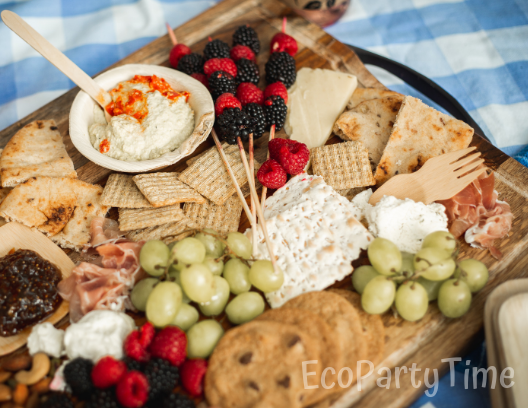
[(253, 192), (171, 34), (253, 204), (264, 188), (284, 19)]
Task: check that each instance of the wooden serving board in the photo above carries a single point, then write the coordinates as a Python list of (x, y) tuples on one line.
[(434, 337)]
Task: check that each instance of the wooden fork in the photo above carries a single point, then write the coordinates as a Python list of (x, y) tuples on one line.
[(440, 178)]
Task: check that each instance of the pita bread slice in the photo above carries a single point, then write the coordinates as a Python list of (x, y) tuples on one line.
[(36, 150), (420, 133), (370, 123), (3, 194), (44, 203), (367, 94), (76, 233)]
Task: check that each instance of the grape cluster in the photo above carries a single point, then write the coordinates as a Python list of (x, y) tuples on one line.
[(201, 272), (410, 281)]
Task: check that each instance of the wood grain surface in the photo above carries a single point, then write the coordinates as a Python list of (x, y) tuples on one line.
[(434, 337)]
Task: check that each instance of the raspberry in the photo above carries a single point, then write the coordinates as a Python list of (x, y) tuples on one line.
[(294, 157), (192, 374), (170, 344), (202, 78), (107, 372), (220, 64), (276, 88), (137, 342), (275, 145), (282, 42), (271, 174), (241, 51), (147, 333), (178, 51), (132, 390), (249, 93), (226, 100)]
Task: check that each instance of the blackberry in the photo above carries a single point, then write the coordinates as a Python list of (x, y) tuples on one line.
[(57, 400), (177, 401), (103, 399), (221, 82), (234, 123), (216, 49), (256, 112), (78, 375), (245, 35), (281, 67), (275, 110), (191, 64), (162, 377), (133, 365), (247, 71)]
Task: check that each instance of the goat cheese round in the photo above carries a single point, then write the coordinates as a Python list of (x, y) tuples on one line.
[(45, 338)]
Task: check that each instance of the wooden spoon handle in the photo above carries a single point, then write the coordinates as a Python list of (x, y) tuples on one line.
[(57, 58)]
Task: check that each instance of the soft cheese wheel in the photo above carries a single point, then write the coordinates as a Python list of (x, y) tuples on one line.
[(315, 102)]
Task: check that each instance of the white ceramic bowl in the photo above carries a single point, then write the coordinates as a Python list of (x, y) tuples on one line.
[(81, 117)]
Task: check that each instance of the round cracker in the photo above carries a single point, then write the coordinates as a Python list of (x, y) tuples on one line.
[(373, 329), (261, 363), (320, 331)]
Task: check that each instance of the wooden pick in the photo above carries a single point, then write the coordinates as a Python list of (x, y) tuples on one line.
[(253, 204), (264, 188), (172, 36)]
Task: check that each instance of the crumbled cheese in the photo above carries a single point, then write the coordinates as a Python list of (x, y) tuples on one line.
[(404, 222), (45, 338)]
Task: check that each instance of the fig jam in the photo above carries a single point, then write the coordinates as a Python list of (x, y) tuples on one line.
[(28, 290)]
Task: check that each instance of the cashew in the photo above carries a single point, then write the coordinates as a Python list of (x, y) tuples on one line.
[(41, 367), (4, 376), (5, 393)]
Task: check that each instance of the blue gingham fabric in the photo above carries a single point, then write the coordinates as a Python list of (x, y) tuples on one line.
[(475, 49)]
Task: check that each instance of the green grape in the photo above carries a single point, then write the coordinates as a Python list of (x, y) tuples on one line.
[(236, 273), (141, 292), (163, 303), (378, 295), (154, 257), (434, 264), (188, 251), (431, 287), (262, 275), (198, 283), (454, 298), (474, 273), (216, 267), (219, 300), (175, 274), (213, 247), (363, 275), (186, 317), (245, 307), (440, 240), (411, 301), (239, 244), (202, 338), (407, 269), (385, 256)]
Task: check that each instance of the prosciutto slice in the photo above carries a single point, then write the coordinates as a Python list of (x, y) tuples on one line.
[(477, 214)]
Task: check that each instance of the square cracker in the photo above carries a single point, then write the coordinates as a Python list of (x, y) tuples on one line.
[(121, 191), (343, 165), (139, 218), (419, 134), (165, 232), (162, 189), (222, 218), (209, 177)]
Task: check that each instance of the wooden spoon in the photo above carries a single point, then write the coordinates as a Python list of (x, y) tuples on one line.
[(440, 178), (57, 58)]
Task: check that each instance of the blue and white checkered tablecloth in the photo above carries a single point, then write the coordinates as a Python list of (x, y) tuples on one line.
[(475, 49)]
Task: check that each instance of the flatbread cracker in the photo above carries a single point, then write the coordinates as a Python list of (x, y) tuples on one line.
[(350, 193), (343, 165), (367, 94), (162, 189), (370, 123), (3, 194), (36, 150), (139, 218), (162, 232), (121, 191), (420, 133), (222, 218), (76, 233)]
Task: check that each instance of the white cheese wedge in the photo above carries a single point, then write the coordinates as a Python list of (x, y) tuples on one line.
[(315, 236), (315, 102)]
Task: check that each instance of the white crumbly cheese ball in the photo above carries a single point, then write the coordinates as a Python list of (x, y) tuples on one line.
[(45, 338), (315, 236), (404, 222)]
